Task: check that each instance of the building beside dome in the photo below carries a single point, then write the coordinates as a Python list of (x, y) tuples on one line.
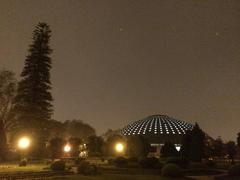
[(157, 129)]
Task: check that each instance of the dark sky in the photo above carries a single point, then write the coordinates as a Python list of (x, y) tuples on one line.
[(115, 62)]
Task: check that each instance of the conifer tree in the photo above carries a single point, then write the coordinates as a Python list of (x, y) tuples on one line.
[(33, 101), (193, 144)]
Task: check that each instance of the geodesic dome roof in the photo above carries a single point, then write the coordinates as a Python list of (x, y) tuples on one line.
[(157, 125)]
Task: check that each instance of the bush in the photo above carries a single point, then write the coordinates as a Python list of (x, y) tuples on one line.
[(79, 160), (86, 168), (120, 161), (171, 170), (110, 161), (102, 159), (169, 150), (12, 156), (178, 161), (48, 161), (150, 162), (23, 162), (133, 159), (234, 170), (210, 163), (58, 165), (195, 165)]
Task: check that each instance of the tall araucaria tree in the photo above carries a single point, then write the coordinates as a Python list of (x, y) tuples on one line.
[(33, 101)]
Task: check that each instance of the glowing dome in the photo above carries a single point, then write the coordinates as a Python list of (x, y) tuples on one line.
[(160, 127)]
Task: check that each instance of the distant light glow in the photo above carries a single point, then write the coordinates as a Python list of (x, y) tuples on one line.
[(67, 148), (23, 142), (119, 147), (178, 148)]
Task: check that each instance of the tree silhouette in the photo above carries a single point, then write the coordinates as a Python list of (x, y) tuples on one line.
[(218, 147), (169, 150), (55, 147), (137, 146), (238, 139), (231, 150), (95, 145), (74, 143), (77, 128), (33, 101), (193, 144), (7, 93)]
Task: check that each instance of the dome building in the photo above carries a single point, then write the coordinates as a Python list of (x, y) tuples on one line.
[(157, 129)]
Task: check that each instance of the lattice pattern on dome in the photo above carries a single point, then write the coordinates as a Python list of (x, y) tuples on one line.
[(155, 125)]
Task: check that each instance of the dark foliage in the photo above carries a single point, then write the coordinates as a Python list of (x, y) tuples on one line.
[(74, 143), (169, 150), (210, 163), (110, 161), (95, 146), (55, 147), (231, 150), (193, 144), (7, 123), (234, 170), (149, 162), (78, 129), (218, 147), (58, 165), (181, 162), (238, 139), (55, 129), (86, 168), (79, 160), (171, 170), (23, 162), (121, 161), (110, 143), (137, 146), (133, 159)]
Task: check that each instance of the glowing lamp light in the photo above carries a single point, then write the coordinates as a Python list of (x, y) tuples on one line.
[(67, 148), (119, 147), (24, 143), (178, 148)]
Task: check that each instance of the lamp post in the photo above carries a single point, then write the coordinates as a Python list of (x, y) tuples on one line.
[(119, 148), (67, 148), (23, 145)]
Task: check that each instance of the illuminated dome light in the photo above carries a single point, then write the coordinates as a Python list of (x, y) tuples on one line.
[(157, 125)]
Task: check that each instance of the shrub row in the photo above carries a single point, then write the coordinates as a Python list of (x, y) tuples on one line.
[(171, 169), (148, 162), (58, 165), (83, 167), (86, 168), (234, 170)]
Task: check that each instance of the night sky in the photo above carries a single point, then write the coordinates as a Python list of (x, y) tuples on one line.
[(115, 62)]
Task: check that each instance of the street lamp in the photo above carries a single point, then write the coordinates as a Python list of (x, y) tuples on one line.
[(119, 147), (67, 148), (24, 143)]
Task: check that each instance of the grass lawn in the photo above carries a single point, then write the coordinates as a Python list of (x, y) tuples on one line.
[(10, 167), (113, 177)]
